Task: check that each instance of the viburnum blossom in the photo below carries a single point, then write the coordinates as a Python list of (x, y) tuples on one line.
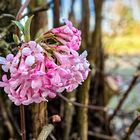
[(41, 70)]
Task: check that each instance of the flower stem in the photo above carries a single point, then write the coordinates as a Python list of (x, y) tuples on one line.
[(22, 122)]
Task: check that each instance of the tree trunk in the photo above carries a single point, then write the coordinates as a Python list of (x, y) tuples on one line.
[(98, 53), (82, 95), (40, 19), (56, 13), (96, 56), (68, 115)]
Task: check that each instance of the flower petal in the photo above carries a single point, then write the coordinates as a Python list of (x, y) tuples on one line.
[(30, 60), (2, 60)]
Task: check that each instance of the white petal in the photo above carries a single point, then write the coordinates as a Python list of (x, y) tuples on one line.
[(83, 55), (39, 48), (26, 51), (2, 60), (30, 60), (5, 68)]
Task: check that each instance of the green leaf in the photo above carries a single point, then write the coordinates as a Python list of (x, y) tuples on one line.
[(19, 25), (16, 39), (27, 29)]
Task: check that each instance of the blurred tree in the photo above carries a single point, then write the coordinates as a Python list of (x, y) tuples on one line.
[(83, 91), (122, 21), (96, 56)]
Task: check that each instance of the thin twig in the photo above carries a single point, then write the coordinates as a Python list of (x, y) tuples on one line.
[(22, 118), (47, 129), (101, 136), (38, 9), (93, 107), (125, 95), (131, 128), (7, 15), (19, 14)]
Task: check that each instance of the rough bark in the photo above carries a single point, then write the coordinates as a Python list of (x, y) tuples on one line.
[(82, 114), (38, 118), (40, 19), (68, 114)]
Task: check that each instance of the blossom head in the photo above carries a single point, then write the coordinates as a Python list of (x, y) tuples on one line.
[(40, 70)]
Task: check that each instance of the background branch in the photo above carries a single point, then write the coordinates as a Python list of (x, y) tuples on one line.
[(125, 95), (39, 9), (97, 108), (131, 128), (19, 14), (101, 136)]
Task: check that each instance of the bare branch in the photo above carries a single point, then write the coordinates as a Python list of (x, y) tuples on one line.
[(47, 129), (96, 108), (22, 117), (39, 9), (19, 14), (131, 128), (7, 15), (101, 136), (125, 95)]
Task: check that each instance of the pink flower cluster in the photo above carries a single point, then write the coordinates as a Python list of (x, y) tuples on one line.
[(39, 72)]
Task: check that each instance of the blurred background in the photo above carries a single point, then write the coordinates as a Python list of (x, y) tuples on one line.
[(111, 35)]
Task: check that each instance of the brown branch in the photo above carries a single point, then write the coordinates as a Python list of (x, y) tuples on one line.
[(96, 108), (68, 116), (71, 14), (125, 95), (19, 14), (56, 13), (22, 118), (47, 129), (39, 9), (101, 136), (131, 128), (7, 15)]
